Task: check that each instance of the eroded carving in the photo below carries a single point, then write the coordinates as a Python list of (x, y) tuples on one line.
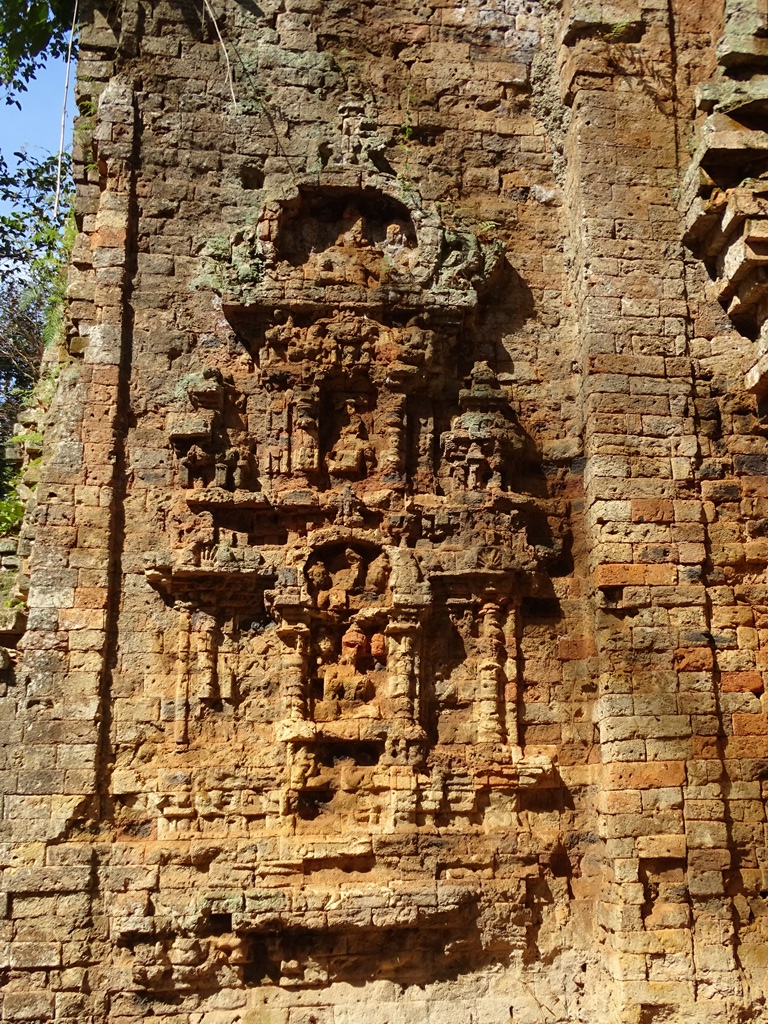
[(346, 559)]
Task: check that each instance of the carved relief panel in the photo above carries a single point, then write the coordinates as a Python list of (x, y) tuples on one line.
[(350, 546)]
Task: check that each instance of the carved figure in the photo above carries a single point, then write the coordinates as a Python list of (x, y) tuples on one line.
[(418, 345), (279, 446), (224, 465), (483, 447), (348, 681), (194, 467), (349, 508), (277, 338), (353, 454), (194, 535), (243, 470), (305, 445)]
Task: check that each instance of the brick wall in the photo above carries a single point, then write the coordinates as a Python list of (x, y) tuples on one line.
[(395, 624)]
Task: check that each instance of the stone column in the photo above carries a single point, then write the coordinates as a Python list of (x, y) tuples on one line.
[(204, 650), (402, 661), (294, 666), (643, 517), (489, 692), (181, 701), (393, 454)]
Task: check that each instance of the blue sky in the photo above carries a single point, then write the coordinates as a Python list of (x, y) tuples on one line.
[(37, 126)]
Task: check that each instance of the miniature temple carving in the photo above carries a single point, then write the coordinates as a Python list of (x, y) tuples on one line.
[(356, 495), (358, 424)]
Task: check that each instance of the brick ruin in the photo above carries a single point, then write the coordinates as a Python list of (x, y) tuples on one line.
[(395, 620)]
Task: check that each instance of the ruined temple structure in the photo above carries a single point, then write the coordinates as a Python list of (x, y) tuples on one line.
[(394, 623)]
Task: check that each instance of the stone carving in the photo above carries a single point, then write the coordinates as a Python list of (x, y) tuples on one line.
[(396, 639), (352, 501), (483, 447), (726, 189), (341, 424), (352, 454)]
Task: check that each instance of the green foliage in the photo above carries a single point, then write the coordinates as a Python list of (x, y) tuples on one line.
[(33, 438), (621, 32), (30, 32), (22, 323), (11, 505), (36, 233), (34, 244), (31, 317), (11, 513), (31, 235)]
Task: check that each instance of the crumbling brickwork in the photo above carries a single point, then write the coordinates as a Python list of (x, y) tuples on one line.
[(397, 599)]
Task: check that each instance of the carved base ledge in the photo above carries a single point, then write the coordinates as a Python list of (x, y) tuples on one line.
[(348, 730), (510, 767)]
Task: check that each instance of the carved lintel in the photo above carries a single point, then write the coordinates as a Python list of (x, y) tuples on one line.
[(295, 731), (508, 768), (197, 425)]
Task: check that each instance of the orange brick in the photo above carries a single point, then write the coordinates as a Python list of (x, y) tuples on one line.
[(636, 366), (572, 649), (81, 618), (106, 374), (750, 725), (706, 748), (709, 860), (91, 597), (649, 510), (645, 774), (661, 846), (693, 659), (746, 746), (661, 575), (619, 574), (741, 682)]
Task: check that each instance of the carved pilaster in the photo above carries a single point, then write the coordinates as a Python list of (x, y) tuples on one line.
[(294, 666), (203, 650), (181, 701), (488, 717), (402, 663), (393, 454)]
